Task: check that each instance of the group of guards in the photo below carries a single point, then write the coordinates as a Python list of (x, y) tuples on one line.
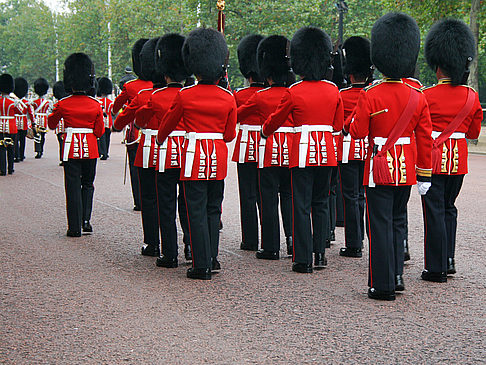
[(381, 137)]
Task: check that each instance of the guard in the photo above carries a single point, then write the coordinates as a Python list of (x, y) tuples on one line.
[(41, 107)]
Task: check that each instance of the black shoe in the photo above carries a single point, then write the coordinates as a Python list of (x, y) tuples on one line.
[(3, 173), (320, 261), (87, 229), (247, 247), (11, 172), (267, 255), (151, 250), (163, 261), (61, 163), (215, 265), (290, 245), (436, 277), (332, 237), (381, 295), (406, 252), (451, 266), (187, 252), (103, 158), (328, 244), (17, 159), (197, 273), (350, 252), (302, 268), (70, 233), (399, 285), (39, 155), (137, 208)]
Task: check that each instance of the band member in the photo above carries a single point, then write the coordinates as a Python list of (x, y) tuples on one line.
[(246, 146), (41, 107), (316, 110), (456, 115), (145, 166), (208, 114), (24, 119), (166, 159), (83, 120), (352, 152), (105, 88), (59, 93), (129, 90), (273, 152), (8, 125), (390, 113)]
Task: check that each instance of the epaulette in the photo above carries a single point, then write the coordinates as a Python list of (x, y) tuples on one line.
[(64, 98), (470, 87), (129, 81), (222, 88), (160, 89), (329, 82), (92, 97), (428, 87), (346, 88), (187, 87), (413, 87), (145, 90), (376, 83), (295, 84), (267, 88)]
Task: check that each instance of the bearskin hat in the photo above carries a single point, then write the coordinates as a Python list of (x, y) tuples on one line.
[(6, 83), (168, 57), (105, 86), (58, 90), (79, 73), (272, 59), (247, 56), (450, 45), (41, 86), (357, 56), (395, 44), (204, 53), (137, 47), (147, 61), (310, 53), (21, 87)]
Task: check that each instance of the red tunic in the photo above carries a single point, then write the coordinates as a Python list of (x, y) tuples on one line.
[(277, 146), (316, 109), (83, 112), (202, 109), (130, 90), (445, 102), (25, 115), (41, 111), (8, 110), (107, 107), (241, 97), (379, 107)]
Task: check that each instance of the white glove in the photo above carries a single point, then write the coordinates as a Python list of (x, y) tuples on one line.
[(423, 187)]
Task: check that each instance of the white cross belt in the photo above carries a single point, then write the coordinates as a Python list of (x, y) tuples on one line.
[(304, 139), (192, 137), (69, 137)]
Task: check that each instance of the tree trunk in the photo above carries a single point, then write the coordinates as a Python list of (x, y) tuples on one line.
[(473, 20)]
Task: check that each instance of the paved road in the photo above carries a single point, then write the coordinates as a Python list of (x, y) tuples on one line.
[(95, 300)]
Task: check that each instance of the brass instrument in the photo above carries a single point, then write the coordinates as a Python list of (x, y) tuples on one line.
[(6, 141)]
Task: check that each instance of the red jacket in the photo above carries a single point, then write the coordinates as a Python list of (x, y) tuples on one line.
[(25, 115), (202, 108), (445, 102), (41, 109), (314, 105), (379, 107), (107, 107), (8, 110), (79, 111)]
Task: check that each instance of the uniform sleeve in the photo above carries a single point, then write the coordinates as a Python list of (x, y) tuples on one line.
[(144, 114), (279, 116), (339, 115), (120, 100), (54, 118), (359, 127), (127, 115), (248, 109), (423, 140), (171, 119), (475, 126), (230, 128), (99, 125)]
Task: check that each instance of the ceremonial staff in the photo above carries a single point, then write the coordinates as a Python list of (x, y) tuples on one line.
[(224, 82)]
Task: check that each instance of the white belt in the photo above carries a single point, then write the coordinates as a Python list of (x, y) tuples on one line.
[(346, 148), (335, 134), (192, 137), (163, 149), (263, 143), (69, 137), (455, 135), (5, 117), (285, 130), (147, 143), (245, 128), (304, 139), (380, 142)]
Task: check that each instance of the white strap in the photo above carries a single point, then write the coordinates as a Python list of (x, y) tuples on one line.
[(6, 117), (245, 128), (163, 149), (455, 135), (261, 152), (192, 137), (69, 137), (304, 139), (285, 130), (380, 141), (147, 144), (346, 148)]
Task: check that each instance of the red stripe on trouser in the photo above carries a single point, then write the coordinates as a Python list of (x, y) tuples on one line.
[(369, 238)]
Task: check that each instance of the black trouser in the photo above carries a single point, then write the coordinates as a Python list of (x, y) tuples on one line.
[(275, 180), (132, 152), (39, 147), (310, 197), (79, 176), (336, 206), (20, 144), (150, 211), (351, 177), (167, 183), (440, 220), (60, 140), (203, 202), (386, 207), (104, 143), (7, 154), (249, 200)]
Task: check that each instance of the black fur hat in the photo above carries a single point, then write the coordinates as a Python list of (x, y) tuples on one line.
[(58, 90), (41, 86), (147, 61), (79, 73), (168, 57), (6, 83), (247, 56), (357, 56), (310, 53), (21, 87), (395, 44), (449, 45), (105, 86), (205, 53), (272, 58), (137, 47)]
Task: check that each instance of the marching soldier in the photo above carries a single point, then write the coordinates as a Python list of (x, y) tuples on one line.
[(105, 88), (23, 119), (208, 114), (41, 108), (316, 110), (8, 125), (390, 112), (59, 93), (83, 119), (273, 152), (456, 115)]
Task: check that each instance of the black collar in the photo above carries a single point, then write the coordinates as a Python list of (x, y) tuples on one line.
[(207, 82), (175, 84), (257, 84)]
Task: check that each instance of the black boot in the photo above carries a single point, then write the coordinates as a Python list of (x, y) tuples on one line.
[(290, 246), (187, 252), (199, 273), (451, 266), (87, 229), (406, 252), (151, 250), (320, 261), (399, 285)]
